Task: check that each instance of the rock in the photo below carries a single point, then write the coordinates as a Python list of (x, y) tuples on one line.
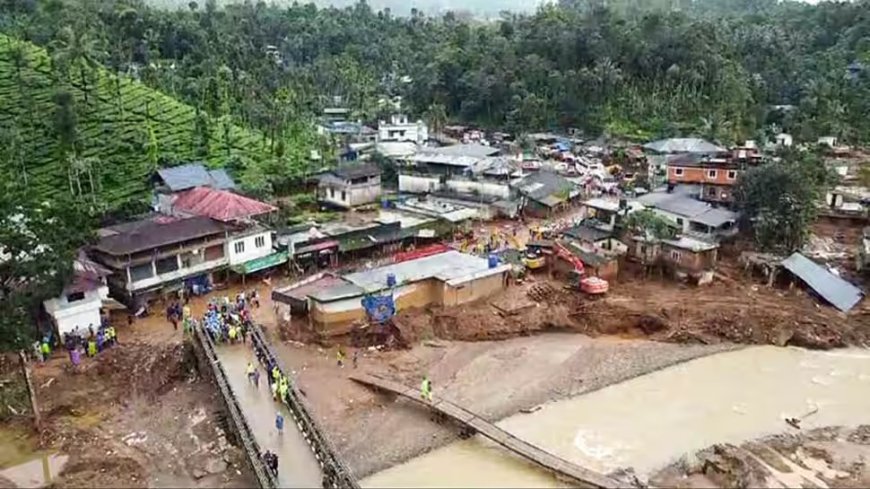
[(215, 466), (198, 473)]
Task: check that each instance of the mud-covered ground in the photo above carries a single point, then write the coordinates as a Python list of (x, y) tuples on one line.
[(824, 457), (495, 379), (726, 311), (135, 416)]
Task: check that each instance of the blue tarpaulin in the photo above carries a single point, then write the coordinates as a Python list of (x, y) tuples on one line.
[(379, 308)]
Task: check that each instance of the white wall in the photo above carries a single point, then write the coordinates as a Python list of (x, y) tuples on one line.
[(501, 190), (421, 184), (402, 130), (354, 195), (82, 313), (417, 184), (251, 250)]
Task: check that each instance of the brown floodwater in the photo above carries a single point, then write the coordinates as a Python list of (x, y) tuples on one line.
[(650, 421)]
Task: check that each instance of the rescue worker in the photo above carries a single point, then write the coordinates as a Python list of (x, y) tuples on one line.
[(275, 373), (279, 422), (256, 378), (249, 371), (275, 390), (283, 387), (45, 349), (92, 347), (339, 355), (426, 389), (355, 358), (232, 334)]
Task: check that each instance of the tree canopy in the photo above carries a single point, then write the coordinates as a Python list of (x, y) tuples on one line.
[(722, 69), (38, 242), (780, 199)]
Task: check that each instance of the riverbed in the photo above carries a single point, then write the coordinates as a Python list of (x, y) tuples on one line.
[(649, 421)]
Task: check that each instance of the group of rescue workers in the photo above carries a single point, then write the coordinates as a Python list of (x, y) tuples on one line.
[(78, 342), (224, 320)]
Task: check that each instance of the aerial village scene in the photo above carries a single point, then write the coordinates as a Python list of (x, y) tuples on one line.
[(234, 255)]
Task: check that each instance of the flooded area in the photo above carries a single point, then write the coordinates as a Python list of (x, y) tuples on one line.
[(297, 466), (652, 420)]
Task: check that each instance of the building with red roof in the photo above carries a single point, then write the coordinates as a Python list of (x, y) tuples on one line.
[(220, 205)]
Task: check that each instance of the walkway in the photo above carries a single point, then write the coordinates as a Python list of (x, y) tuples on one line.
[(297, 465), (479, 425)]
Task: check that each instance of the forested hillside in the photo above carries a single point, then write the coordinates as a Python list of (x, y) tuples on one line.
[(721, 69), (100, 136)]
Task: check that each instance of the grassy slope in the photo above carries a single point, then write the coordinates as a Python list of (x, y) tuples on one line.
[(113, 132)]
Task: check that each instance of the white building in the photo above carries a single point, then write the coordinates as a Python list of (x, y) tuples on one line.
[(784, 140), (79, 304), (399, 129), (350, 185), (249, 244)]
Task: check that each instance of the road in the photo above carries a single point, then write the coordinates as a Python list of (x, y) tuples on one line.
[(297, 465)]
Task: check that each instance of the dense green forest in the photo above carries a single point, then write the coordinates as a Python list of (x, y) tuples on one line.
[(713, 68), (477, 8)]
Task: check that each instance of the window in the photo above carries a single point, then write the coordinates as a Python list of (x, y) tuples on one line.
[(215, 252), (141, 272), (260, 241), (332, 193), (676, 255), (678, 172), (166, 265), (680, 221), (343, 195), (239, 247), (712, 173), (74, 297), (711, 191), (732, 174)]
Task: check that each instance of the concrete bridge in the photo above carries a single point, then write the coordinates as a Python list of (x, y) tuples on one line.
[(305, 456)]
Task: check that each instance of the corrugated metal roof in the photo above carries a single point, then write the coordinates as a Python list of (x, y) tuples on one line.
[(683, 145), (447, 266), (546, 187), (192, 175), (838, 292), (221, 179)]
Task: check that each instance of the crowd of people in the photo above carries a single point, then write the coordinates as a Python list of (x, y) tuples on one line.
[(224, 320), (88, 342)]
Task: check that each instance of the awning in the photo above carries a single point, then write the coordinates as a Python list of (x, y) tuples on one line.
[(316, 247), (110, 304), (261, 263)]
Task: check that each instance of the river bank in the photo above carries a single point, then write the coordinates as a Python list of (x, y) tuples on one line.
[(495, 379)]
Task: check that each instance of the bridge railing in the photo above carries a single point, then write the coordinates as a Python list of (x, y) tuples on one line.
[(335, 473), (209, 363)]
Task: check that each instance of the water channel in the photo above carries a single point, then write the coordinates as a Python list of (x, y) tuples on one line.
[(652, 420)]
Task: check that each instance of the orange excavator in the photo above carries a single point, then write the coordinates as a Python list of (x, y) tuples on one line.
[(577, 278)]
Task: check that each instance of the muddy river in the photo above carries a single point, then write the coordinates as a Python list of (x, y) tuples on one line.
[(652, 420)]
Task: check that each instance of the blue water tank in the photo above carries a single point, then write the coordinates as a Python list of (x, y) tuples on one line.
[(391, 280), (493, 261)]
